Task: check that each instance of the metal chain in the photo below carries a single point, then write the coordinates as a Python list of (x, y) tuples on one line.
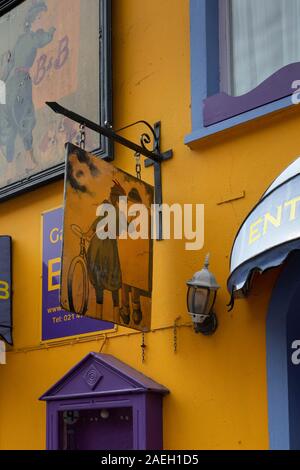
[(175, 337), (82, 136), (138, 166), (143, 347), (138, 170), (175, 334)]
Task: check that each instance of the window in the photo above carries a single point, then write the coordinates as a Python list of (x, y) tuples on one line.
[(245, 56), (96, 429), (264, 36)]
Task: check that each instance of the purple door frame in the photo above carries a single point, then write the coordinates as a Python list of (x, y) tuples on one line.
[(116, 385)]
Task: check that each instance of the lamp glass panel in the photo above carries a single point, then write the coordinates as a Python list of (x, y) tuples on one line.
[(190, 299), (200, 300), (211, 301)]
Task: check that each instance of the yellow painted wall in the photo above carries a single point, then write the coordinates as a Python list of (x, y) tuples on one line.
[(218, 387)]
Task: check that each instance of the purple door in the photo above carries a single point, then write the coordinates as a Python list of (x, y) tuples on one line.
[(96, 429)]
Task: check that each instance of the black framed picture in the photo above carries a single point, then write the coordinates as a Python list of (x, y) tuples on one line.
[(51, 50)]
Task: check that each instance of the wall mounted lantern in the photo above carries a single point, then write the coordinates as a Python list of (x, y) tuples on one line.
[(201, 297)]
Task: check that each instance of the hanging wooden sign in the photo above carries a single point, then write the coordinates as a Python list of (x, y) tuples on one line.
[(107, 244)]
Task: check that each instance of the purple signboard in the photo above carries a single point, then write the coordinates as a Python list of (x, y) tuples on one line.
[(57, 323), (5, 289)]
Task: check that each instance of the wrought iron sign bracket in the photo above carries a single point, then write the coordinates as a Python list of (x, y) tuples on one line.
[(153, 157)]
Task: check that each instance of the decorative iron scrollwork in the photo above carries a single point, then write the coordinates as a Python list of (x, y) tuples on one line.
[(154, 156), (148, 141)]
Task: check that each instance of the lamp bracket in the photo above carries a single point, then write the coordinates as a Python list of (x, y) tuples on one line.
[(198, 318), (153, 156), (205, 324), (209, 326)]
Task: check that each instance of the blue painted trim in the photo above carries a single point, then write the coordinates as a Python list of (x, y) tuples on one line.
[(204, 31), (213, 47), (279, 403), (203, 132), (198, 60), (205, 76)]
